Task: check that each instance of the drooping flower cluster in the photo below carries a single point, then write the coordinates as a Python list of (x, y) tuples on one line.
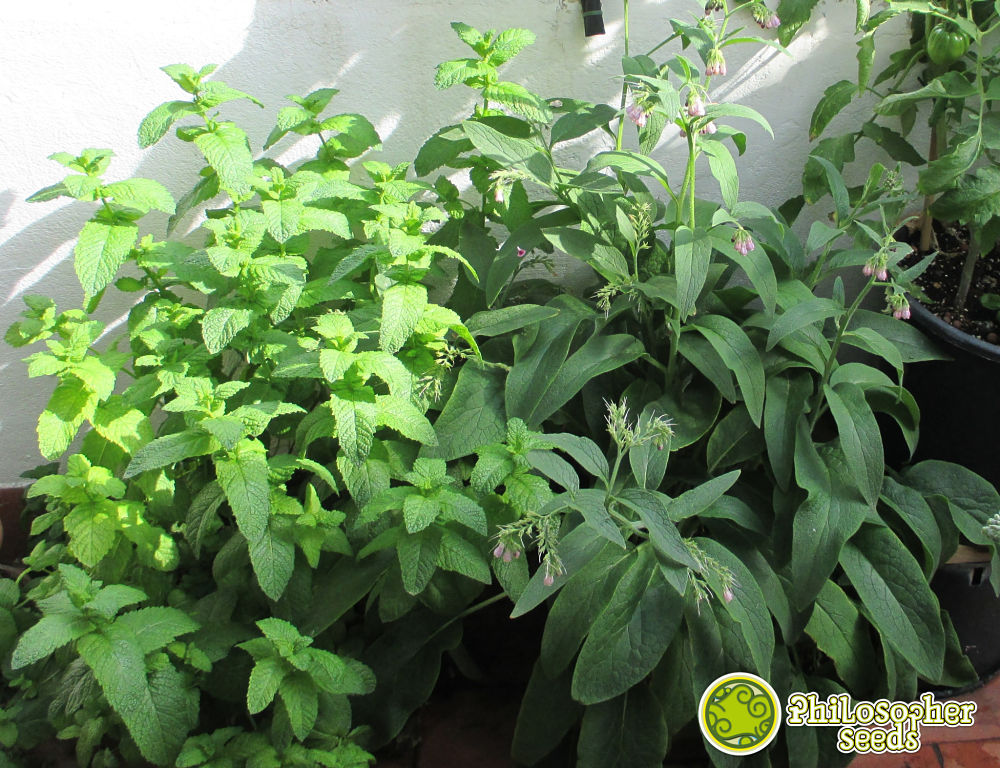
[(764, 16), (716, 64), (713, 5), (655, 429), (695, 105), (876, 266), (743, 242), (899, 305), (637, 114), (711, 574)]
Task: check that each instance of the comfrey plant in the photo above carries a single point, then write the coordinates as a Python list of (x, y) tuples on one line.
[(769, 521)]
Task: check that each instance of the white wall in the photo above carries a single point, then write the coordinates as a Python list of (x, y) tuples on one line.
[(81, 75)]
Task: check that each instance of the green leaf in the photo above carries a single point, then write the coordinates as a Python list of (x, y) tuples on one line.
[(860, 437), (626, 732), (787, 397), (740, 356), (629, 162), (272, 555), (462, 556), (449, 73), (510, 151), (170, 449), (155, 125), (941, 174), (508, 44), (158, 710), (243, 477), (520, 100), (590, 249), (828, 517), (265, 678), (583, 451), (402, 306), (896, 146), (801, 315), (581, 121), (220, 326), (912, 345), (692, 257), (630, 635), (299, 698), (228, 152), (50, 633), (793, 14), (578, 604), (655, 514), (591, 504), (497, 322), (842, 634), (356, 417), (547, 714), (893, 589), (748, 606), (100, 250), (128, 428), (284, 218), (834, 99), (723, 168), (157, 626), (418, 556), (399, 414), (714, 111), (143, 194), (473, 416), (312, 218), (92, 532)]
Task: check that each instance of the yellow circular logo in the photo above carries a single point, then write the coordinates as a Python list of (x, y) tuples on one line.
[(739, 714)]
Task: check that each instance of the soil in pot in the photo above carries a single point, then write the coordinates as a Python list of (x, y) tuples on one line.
[(959, 399)]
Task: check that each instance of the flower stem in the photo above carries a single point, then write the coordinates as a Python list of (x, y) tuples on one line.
[(621, 119)]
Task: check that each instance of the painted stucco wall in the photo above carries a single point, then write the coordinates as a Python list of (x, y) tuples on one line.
[(81, 75)]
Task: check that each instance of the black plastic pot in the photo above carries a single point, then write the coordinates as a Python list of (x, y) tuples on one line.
[(964, 591), (959, 399)]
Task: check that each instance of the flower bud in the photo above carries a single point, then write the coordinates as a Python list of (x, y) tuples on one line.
[(498, 552), (773, 23), (867, 270), (712, 6), (549, 580), (728, 595), (709, 128), (521, 252), (882, 274), (508, 556), (498, 195)]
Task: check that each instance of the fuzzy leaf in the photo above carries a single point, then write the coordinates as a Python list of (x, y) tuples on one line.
[(100, 250), (243, 477), (402, 306)]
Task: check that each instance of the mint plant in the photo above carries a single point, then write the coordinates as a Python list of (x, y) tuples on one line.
[(271, 383)]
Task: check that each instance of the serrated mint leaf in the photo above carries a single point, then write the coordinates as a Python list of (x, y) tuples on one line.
[(143, 194), (419, 512), (404, 417), (273, 557), (100, 251), (170, 449), (402, 306), (265, 677), (243, 477), (155, 125), (50, 633), (417, 555), (226, 149), (462, 556), (219, 326), (298, 696)]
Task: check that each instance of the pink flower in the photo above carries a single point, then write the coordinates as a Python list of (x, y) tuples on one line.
[(498, 552), (902, 313), (498, 193), (716, 64), (521, 252), (709, 128), (743, 242), (773, 23), (636, 114), (728, 595), (695, 106), (882, 274), (712, 5), (867, 270), (549, 580)]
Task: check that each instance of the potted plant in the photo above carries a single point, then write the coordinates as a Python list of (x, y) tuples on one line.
[(955, 293)]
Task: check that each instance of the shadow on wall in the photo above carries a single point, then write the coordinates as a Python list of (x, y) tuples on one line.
[(381, 54)]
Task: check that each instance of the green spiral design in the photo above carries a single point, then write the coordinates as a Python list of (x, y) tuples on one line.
[(739, 714)]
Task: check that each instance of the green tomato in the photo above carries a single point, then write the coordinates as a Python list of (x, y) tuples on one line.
[(946, 44)]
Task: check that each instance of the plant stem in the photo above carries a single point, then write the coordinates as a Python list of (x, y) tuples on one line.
[(968, 269), (832, 359), (939, 139), (468, 612)]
